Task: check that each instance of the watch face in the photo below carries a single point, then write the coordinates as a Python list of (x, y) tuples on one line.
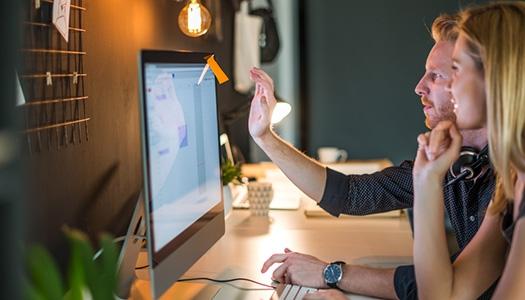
[(333, 273)]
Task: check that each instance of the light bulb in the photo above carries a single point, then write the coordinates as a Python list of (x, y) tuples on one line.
[(281, 110), (194, 19)]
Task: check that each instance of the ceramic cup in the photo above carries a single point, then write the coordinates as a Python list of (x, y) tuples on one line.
[(329, 155), (260, 196)]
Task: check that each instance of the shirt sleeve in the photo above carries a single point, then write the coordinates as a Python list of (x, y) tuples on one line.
[(405, 282), (382, 191)]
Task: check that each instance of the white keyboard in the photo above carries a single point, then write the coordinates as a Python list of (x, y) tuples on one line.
[(295, 292)]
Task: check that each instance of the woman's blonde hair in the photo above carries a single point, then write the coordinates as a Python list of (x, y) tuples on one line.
[(496, 39)]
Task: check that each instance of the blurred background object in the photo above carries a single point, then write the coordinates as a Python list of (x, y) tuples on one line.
[(11, 182)]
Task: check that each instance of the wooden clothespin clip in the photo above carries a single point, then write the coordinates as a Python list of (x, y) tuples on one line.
[(75, 77), (49, 79), (37, 4)]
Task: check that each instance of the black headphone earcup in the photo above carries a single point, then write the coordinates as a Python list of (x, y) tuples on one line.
[(466, 158)]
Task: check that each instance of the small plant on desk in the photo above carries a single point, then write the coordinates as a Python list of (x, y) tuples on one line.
[(230, 173), (230, 176)]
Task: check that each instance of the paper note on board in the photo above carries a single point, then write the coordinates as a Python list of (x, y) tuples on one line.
[(216, 69), (61, 10)]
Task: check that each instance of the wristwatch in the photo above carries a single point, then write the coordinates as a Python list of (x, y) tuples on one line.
[(333, 273)]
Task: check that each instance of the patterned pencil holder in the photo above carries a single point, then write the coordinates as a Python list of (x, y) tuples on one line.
[(260, 195)]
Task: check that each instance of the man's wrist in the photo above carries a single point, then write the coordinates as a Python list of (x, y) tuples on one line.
[(265, 139), (333, 274)]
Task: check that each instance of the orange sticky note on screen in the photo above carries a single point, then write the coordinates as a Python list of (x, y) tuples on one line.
[(216, 69)]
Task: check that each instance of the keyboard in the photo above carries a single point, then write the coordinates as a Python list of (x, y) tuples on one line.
[(293, 292)]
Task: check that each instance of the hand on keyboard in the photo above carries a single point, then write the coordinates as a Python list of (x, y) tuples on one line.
[(295, 292), (297, 268)]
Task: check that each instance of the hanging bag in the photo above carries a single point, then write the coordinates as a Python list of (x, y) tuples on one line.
[(269, 36)]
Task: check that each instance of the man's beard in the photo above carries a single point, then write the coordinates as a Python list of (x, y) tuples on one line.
[(438, 114)]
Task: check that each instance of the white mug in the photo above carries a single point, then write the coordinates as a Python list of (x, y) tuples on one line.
[(260, 195), (329, 155)]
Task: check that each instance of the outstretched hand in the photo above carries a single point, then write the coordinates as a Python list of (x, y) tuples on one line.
[(297, 268), (263, 103), (437, 151)]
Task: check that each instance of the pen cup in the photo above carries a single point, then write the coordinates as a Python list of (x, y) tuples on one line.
[(260, 195)]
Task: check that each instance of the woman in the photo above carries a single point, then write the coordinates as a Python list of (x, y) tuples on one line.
[(488, 89)]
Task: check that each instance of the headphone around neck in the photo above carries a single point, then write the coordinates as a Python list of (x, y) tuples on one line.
[(469, 164)]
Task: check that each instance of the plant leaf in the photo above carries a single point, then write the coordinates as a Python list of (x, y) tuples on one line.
[(81, 268), (30, 293), (44, 274)]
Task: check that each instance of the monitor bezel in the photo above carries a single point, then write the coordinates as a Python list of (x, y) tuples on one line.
[(175, 57)]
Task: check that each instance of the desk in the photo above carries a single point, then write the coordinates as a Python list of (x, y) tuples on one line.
[(249, 241)]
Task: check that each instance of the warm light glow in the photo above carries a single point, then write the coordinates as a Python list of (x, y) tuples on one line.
[(281, 110), (194, 19)]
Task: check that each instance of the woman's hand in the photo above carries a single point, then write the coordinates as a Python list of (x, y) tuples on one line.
[(437, 151), (263, 103)]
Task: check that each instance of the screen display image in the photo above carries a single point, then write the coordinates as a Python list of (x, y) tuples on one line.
[(182, 147)]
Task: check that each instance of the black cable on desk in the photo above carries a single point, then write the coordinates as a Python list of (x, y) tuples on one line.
[(227, 280), (220, 280)]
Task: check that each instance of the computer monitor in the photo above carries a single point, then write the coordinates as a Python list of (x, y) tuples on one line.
[(180, 153)]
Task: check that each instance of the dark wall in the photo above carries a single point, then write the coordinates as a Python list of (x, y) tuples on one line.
[(94, 186), (10, 166), (363, 60)]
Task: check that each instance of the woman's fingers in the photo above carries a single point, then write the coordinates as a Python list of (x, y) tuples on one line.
[(455, 143), (439, 140)]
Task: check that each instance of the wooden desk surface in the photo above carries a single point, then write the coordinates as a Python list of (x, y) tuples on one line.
[(249, 241)]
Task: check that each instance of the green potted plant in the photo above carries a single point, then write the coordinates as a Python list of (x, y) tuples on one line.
[(230, 176), (87, 277)]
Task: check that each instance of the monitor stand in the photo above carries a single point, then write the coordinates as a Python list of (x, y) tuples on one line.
[(133, 242)]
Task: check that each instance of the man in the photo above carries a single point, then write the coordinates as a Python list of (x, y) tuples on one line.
[(465, 201)]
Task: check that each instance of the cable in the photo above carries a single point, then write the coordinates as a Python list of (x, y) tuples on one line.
[(227, 281), (142, 267), (268, 287), (118, 240)]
